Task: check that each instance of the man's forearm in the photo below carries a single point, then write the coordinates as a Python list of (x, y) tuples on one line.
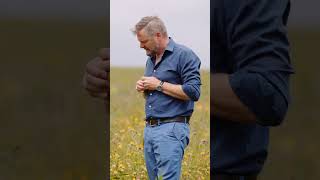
[(174, 90), (225, 103)]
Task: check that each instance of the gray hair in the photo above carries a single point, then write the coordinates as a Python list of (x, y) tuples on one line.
[(152, 25)]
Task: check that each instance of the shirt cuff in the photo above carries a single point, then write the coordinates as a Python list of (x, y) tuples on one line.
[(260, 97), (192, 92)]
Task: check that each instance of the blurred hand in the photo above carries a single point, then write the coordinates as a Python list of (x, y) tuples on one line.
[(139, 86), (96, 76), (150, 83)]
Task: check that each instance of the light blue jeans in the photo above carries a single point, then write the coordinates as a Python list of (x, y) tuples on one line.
[(164, 148)]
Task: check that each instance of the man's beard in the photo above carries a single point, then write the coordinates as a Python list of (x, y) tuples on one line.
[(153, 52)]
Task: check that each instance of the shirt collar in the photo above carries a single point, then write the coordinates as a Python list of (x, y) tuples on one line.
[(170, 45)]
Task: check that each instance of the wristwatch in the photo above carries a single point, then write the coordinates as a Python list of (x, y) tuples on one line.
[(159, 87)]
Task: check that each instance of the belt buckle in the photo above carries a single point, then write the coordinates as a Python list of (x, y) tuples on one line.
[(157, 123), (150, 122)]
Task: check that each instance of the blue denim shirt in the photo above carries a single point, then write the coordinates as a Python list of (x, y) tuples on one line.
[(178, 65), (249, 42)]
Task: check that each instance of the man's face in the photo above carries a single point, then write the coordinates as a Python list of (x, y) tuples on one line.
[(148, 43)]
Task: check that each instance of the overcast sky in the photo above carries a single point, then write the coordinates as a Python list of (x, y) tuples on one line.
[(187, 22)]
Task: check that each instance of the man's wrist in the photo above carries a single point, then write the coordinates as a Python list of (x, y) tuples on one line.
[(159, 87)]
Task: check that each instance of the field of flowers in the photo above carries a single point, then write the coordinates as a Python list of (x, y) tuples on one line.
[(127, 123)]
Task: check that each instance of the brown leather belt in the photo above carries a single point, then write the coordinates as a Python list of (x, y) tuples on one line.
[(234, 177), (158, 121)]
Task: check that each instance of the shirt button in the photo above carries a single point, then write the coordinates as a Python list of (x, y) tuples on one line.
[(150, 106), (154, 70), (150, 94)]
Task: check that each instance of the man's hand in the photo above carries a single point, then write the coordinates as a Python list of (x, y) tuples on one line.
[(139, 86), (96, 76), (150, 83)]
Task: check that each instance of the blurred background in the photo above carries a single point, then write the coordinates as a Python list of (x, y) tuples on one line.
[(50, 128), (294, 147)]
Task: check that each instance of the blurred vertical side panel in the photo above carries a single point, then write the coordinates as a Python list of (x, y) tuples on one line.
[(294, 146), (50, 128)]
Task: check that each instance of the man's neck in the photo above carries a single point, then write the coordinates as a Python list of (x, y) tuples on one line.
[(158, 58), (162, 50)]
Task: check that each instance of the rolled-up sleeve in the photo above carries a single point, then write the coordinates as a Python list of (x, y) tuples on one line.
[(260, 51), (190, 75)]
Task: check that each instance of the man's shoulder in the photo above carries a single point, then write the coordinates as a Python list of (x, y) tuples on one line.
[(183, 50), (186, 55), (182, 47)]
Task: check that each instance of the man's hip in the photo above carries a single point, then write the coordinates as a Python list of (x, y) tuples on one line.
[(173, 134)]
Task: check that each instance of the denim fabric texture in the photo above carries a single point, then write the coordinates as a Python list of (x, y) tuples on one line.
[(164, 148)]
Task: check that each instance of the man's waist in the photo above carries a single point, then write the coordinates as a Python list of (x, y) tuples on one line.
[(157, 121), (166, 113)]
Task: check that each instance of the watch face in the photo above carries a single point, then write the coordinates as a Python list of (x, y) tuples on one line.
[(159, 88)]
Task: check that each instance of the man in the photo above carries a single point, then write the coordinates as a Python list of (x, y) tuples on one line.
[(250, 83), (171, 84)]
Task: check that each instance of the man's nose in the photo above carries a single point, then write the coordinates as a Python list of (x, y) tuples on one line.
[(141, 45)]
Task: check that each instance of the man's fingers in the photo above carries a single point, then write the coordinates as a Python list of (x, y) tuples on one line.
[(140, 87), (98, 73), (105, 65), (97, 68), (97, 82), (140, 83), (91, 88), (95, 91), (104, 53)]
